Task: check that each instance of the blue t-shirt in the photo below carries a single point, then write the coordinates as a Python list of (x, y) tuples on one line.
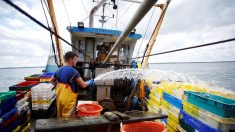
[(65, 74)]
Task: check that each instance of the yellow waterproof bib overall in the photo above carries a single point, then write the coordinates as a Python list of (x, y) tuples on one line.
[(65, 100)]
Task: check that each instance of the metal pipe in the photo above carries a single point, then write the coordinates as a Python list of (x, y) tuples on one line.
[(93, 11), (145, 6), (136, 1)]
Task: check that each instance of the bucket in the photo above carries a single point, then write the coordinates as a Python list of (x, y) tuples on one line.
[(89, 110), (145, 126)]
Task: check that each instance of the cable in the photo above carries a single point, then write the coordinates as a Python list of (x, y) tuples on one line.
[(66, 12), (119, 19), (52, 43), (43, 26), (84, 8), (187, 48), (145, 31)]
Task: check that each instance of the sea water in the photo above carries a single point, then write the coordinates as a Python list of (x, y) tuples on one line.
[(216, 74)]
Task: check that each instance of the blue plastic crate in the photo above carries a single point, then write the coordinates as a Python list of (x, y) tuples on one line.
[(10, 127), (7, 97), (218, 105), (7, 107), (173, 100), (196, 124), (47, 75), (8, 115)]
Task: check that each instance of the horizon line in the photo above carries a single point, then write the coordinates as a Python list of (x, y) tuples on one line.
[(191, 62), (22, 67)]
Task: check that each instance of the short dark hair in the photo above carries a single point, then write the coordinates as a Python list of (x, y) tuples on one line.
[(69, 55)]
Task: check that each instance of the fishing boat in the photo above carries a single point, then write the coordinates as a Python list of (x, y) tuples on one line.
[(189, 107)]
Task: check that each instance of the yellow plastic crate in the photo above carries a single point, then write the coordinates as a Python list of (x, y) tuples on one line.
[(42, 101), (16, 129), (171, 109), (26, 128), (45, 79), (205, 116), (171, 128), (174, 121)]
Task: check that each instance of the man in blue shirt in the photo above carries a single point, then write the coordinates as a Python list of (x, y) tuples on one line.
[(67, 80)]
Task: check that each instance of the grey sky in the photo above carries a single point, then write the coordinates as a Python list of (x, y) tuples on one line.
[(187, 23)]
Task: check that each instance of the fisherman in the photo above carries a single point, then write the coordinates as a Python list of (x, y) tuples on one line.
[(67, 80)]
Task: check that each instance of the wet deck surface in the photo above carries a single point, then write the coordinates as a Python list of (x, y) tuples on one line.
[(55, 124)]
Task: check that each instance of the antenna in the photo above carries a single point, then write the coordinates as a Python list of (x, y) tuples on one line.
[(102, 20)]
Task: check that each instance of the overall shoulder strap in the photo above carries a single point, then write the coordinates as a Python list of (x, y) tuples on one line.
[(73, 77)]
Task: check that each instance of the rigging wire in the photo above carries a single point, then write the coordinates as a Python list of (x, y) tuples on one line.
[(119, 19), (146, 31), (117, 15), (116, 18), (84, 8), (43, 26), (66, 12), (192, 47), (52, 43)]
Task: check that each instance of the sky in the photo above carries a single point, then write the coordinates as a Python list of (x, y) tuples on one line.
[(187, 23)]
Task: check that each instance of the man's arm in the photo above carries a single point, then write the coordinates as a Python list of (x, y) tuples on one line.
[(81, 83), (53, 80)]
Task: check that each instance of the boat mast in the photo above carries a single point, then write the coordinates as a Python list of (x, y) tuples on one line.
[(154, 35), (55, 28)]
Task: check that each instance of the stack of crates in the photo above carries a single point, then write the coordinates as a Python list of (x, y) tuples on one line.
[(43, 96), (23, 108), (23, 86), (8, 112), (208, 112), (34, 77), (166, 98), (45, 77)]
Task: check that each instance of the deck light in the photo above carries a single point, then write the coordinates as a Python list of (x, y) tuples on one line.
[(80, 25), (133, 31)]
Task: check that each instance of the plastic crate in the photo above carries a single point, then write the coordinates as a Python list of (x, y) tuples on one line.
[(7, 108), (171, 128), (24, 118), (20, 95), (23, 107), (17, 129), (186, 127), (218, 105), (7, 97), (223, 124), (8, 115), (26, 128), (171, 109), (8, 122), (196, 124), (11, 126), (21, 102), (23, 86), (44, 114), (173, 100), (47, 74), (35, 77)]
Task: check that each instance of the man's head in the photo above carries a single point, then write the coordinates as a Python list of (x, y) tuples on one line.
[(70, 58)]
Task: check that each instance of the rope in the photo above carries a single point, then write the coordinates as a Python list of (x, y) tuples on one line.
[(53, 47), (40, 24), (66, 12), (145, 32), (192, 47)]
